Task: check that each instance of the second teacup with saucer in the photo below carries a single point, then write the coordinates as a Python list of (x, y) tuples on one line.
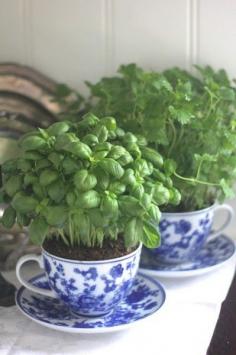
[(185, 237)]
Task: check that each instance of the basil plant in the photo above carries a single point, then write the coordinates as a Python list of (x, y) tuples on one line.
[(87, 181)]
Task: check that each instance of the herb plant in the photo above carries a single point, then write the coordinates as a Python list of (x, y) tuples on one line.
[(189, 119), (87, 181)]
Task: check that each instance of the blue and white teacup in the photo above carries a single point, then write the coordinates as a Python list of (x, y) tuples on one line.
[(89, 288), (183, 234)]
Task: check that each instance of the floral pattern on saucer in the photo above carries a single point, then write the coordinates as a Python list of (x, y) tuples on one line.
[(145, 298), (212, 255)]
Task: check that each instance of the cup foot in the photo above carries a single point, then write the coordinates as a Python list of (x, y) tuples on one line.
[(88, 315)]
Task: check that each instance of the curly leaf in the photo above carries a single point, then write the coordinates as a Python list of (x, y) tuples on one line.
[(151, 237), (56, 190), (47, 177), (227, 190), (23, 203), (133, 232), (58, 128), (181, 116), (55, 215), (32, 143), (112, 167), (109, 206), (84, 181), (13, 185), (9, 217), (38, 230), (88, 199)]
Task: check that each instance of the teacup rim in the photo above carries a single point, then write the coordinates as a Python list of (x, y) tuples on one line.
[(104, 261), (189, 213)]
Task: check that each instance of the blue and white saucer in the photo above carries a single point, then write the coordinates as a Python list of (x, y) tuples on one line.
[(145, 298), (212, 256)]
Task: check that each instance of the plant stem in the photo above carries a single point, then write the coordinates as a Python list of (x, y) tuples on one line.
[(199, 169), (210, 106), (194, 180), (180, 136), (61, 233), (173, 138), (71, 234)]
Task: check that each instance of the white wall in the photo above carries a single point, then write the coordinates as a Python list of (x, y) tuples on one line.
[(74, 40)]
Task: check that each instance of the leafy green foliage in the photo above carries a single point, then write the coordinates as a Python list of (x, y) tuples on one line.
[(9, 216), (189, 119), (85, 182)]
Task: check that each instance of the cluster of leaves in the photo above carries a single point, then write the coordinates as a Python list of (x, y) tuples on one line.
[(190, 119), (87, 181)]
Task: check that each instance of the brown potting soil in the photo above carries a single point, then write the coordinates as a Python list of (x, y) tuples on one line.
[(110, 249)]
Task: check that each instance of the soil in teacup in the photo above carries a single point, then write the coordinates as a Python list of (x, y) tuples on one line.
[(111, 249), (188, 206)]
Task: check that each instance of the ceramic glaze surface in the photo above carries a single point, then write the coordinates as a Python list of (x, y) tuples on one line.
[(184, 234), (211, 256), (91, 288), (183, 237), (145, 297)]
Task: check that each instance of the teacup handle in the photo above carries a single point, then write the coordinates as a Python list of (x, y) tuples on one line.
[(39, 260), (230, 216)]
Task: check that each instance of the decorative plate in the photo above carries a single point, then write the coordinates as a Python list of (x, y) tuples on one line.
[(145, 298), (212, 256)]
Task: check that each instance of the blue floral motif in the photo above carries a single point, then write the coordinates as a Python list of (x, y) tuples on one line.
[(90, 274), (47, 265), (130, 265), (164, 224), (110, 284), (60, 269), (116, 271), (137, 295), (213, 253), (91, 288), (182, 227), (69, 285), (145, 297), (44, 285), (205, 221), (182, 238)]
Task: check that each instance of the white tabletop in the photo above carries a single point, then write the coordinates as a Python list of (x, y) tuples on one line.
[(183, 326)]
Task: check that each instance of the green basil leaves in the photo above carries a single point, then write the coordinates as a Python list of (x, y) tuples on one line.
[(86, 182)]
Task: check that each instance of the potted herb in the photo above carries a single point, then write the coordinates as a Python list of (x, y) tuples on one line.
[(89, 193), (191, 121)]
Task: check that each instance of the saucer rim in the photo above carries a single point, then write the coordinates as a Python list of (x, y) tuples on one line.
[(194, 272), (95, 330)]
